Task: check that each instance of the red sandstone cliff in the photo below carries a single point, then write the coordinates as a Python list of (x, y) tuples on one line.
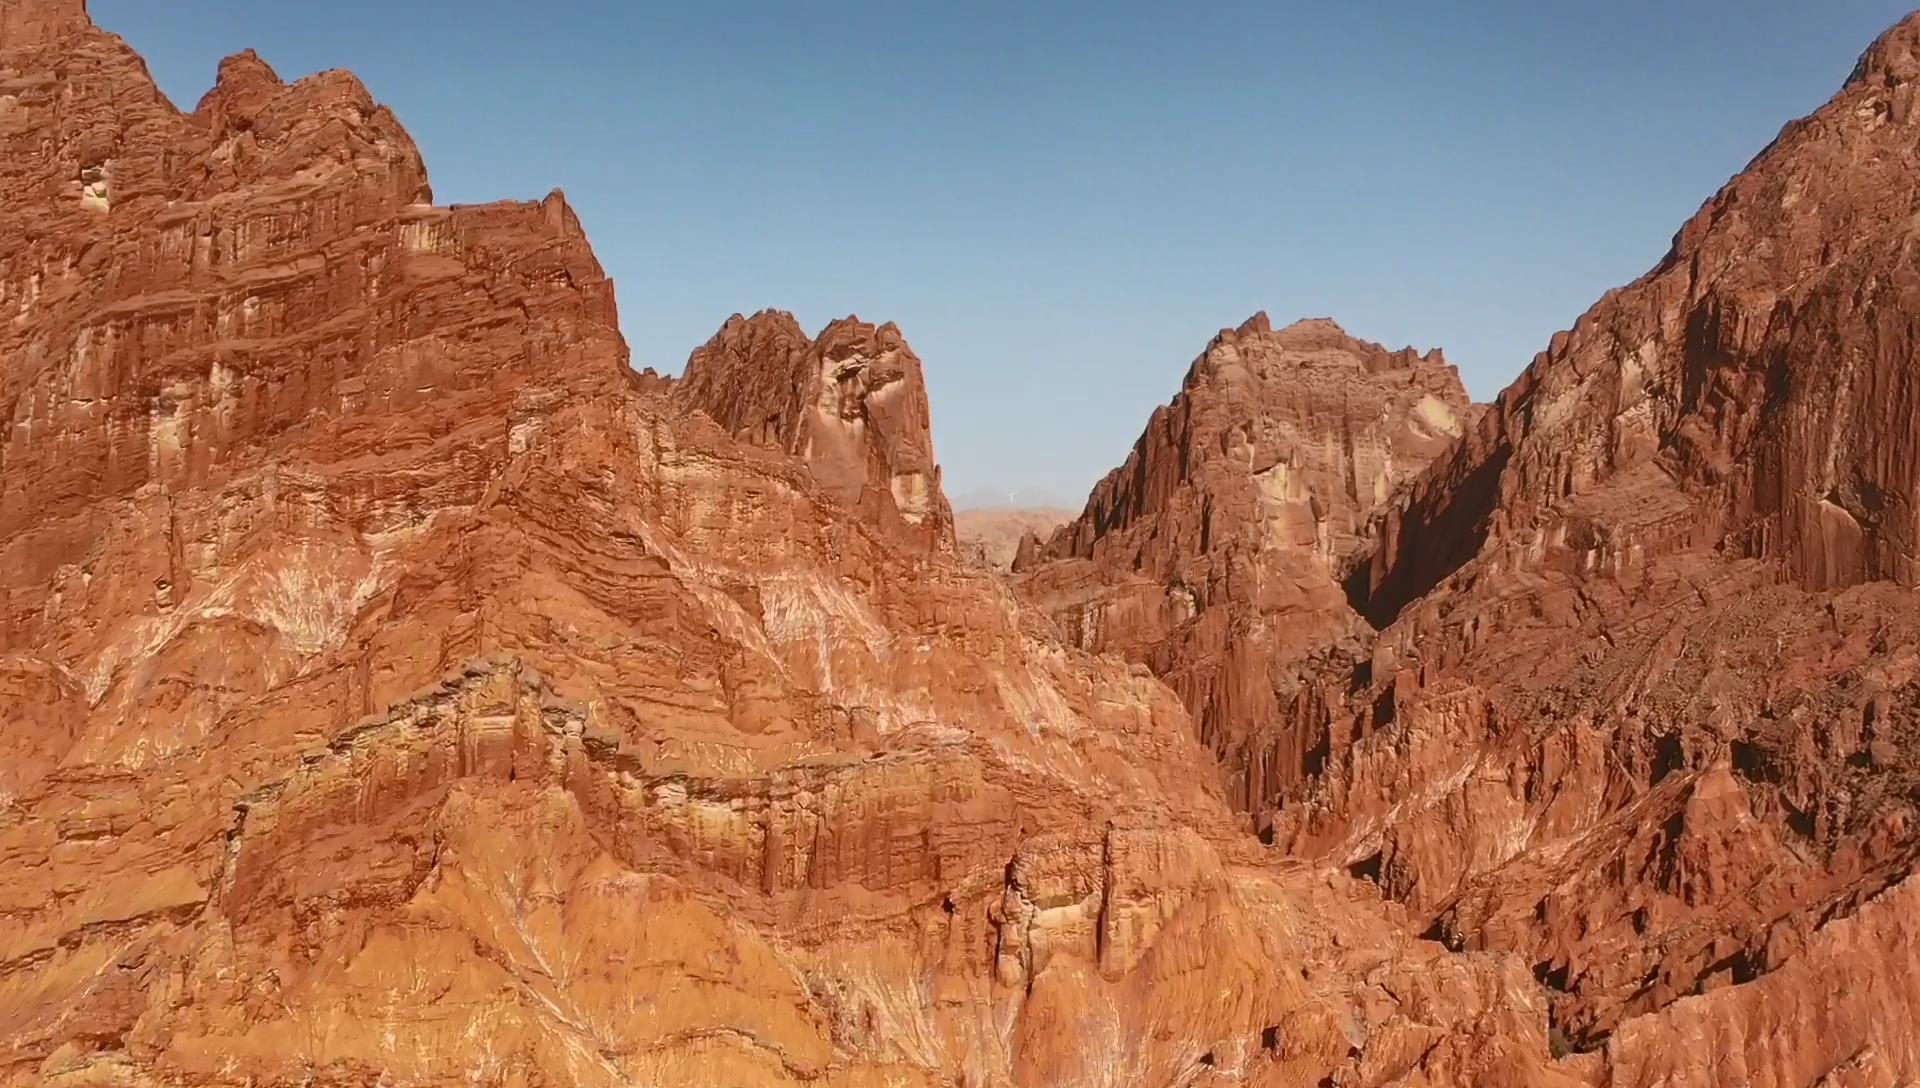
[(1642, 707), (1754, 382), (396, 688), (1216, 554), (399, 689), (852, 403)]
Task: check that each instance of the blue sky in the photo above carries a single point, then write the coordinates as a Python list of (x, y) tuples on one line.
[(1061, 203)]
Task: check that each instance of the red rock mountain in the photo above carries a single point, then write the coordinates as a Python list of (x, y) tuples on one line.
[(1643, 708), (1216, 554), (851, 403), (396, 688)]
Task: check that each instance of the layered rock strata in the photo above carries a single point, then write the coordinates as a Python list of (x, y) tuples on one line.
[(400, 689), (1216, 553)]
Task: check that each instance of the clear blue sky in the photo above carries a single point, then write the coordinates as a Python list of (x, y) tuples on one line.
[(1061, 203)]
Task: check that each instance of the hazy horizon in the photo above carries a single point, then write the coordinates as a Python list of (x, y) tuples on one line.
[(1058, 210)]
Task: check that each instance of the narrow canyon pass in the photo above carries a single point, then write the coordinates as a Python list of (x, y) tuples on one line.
[(398, 688)]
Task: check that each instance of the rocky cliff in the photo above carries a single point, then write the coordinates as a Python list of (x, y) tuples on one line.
[(1216, 553), (396, 688), (399, 689), (1638, 710), (1633, 694), (851, 403)]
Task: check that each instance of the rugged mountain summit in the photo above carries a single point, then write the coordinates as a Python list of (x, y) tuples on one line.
[(852, 403), (397, 688), (1642, 707), (1216, 553)]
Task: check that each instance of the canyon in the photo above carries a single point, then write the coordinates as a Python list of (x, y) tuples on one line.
[(398, 687)]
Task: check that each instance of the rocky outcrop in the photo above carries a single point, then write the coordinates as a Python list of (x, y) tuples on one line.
[(1216, 554), (398, 688), (394, 687), (1752, 393), (852, 403), (1638, 710)]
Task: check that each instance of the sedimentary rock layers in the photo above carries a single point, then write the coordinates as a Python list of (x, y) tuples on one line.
[(394, 687), (1216, 553)]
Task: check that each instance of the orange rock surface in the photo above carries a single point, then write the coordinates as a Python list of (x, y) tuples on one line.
[(1641, 709), (397, 688), (851, 403), (1216, 554)]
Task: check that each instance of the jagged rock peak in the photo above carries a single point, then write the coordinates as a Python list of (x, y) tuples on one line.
[(1753, 390), (1315, 342), (1215, 554), (851, 402), (329, 115), (750, 377), (242, 89), (1894, 57), (1257, 398), (289, 213), (246, 68)]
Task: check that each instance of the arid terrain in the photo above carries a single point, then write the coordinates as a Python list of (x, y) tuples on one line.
[(992, 535), (398, 688)]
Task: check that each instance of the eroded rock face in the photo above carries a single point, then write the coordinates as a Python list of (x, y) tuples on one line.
[(1216, 553), (398, 688), (1640, 708), (1751, 393), (395, 687), (25, 23), (852, 403)]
